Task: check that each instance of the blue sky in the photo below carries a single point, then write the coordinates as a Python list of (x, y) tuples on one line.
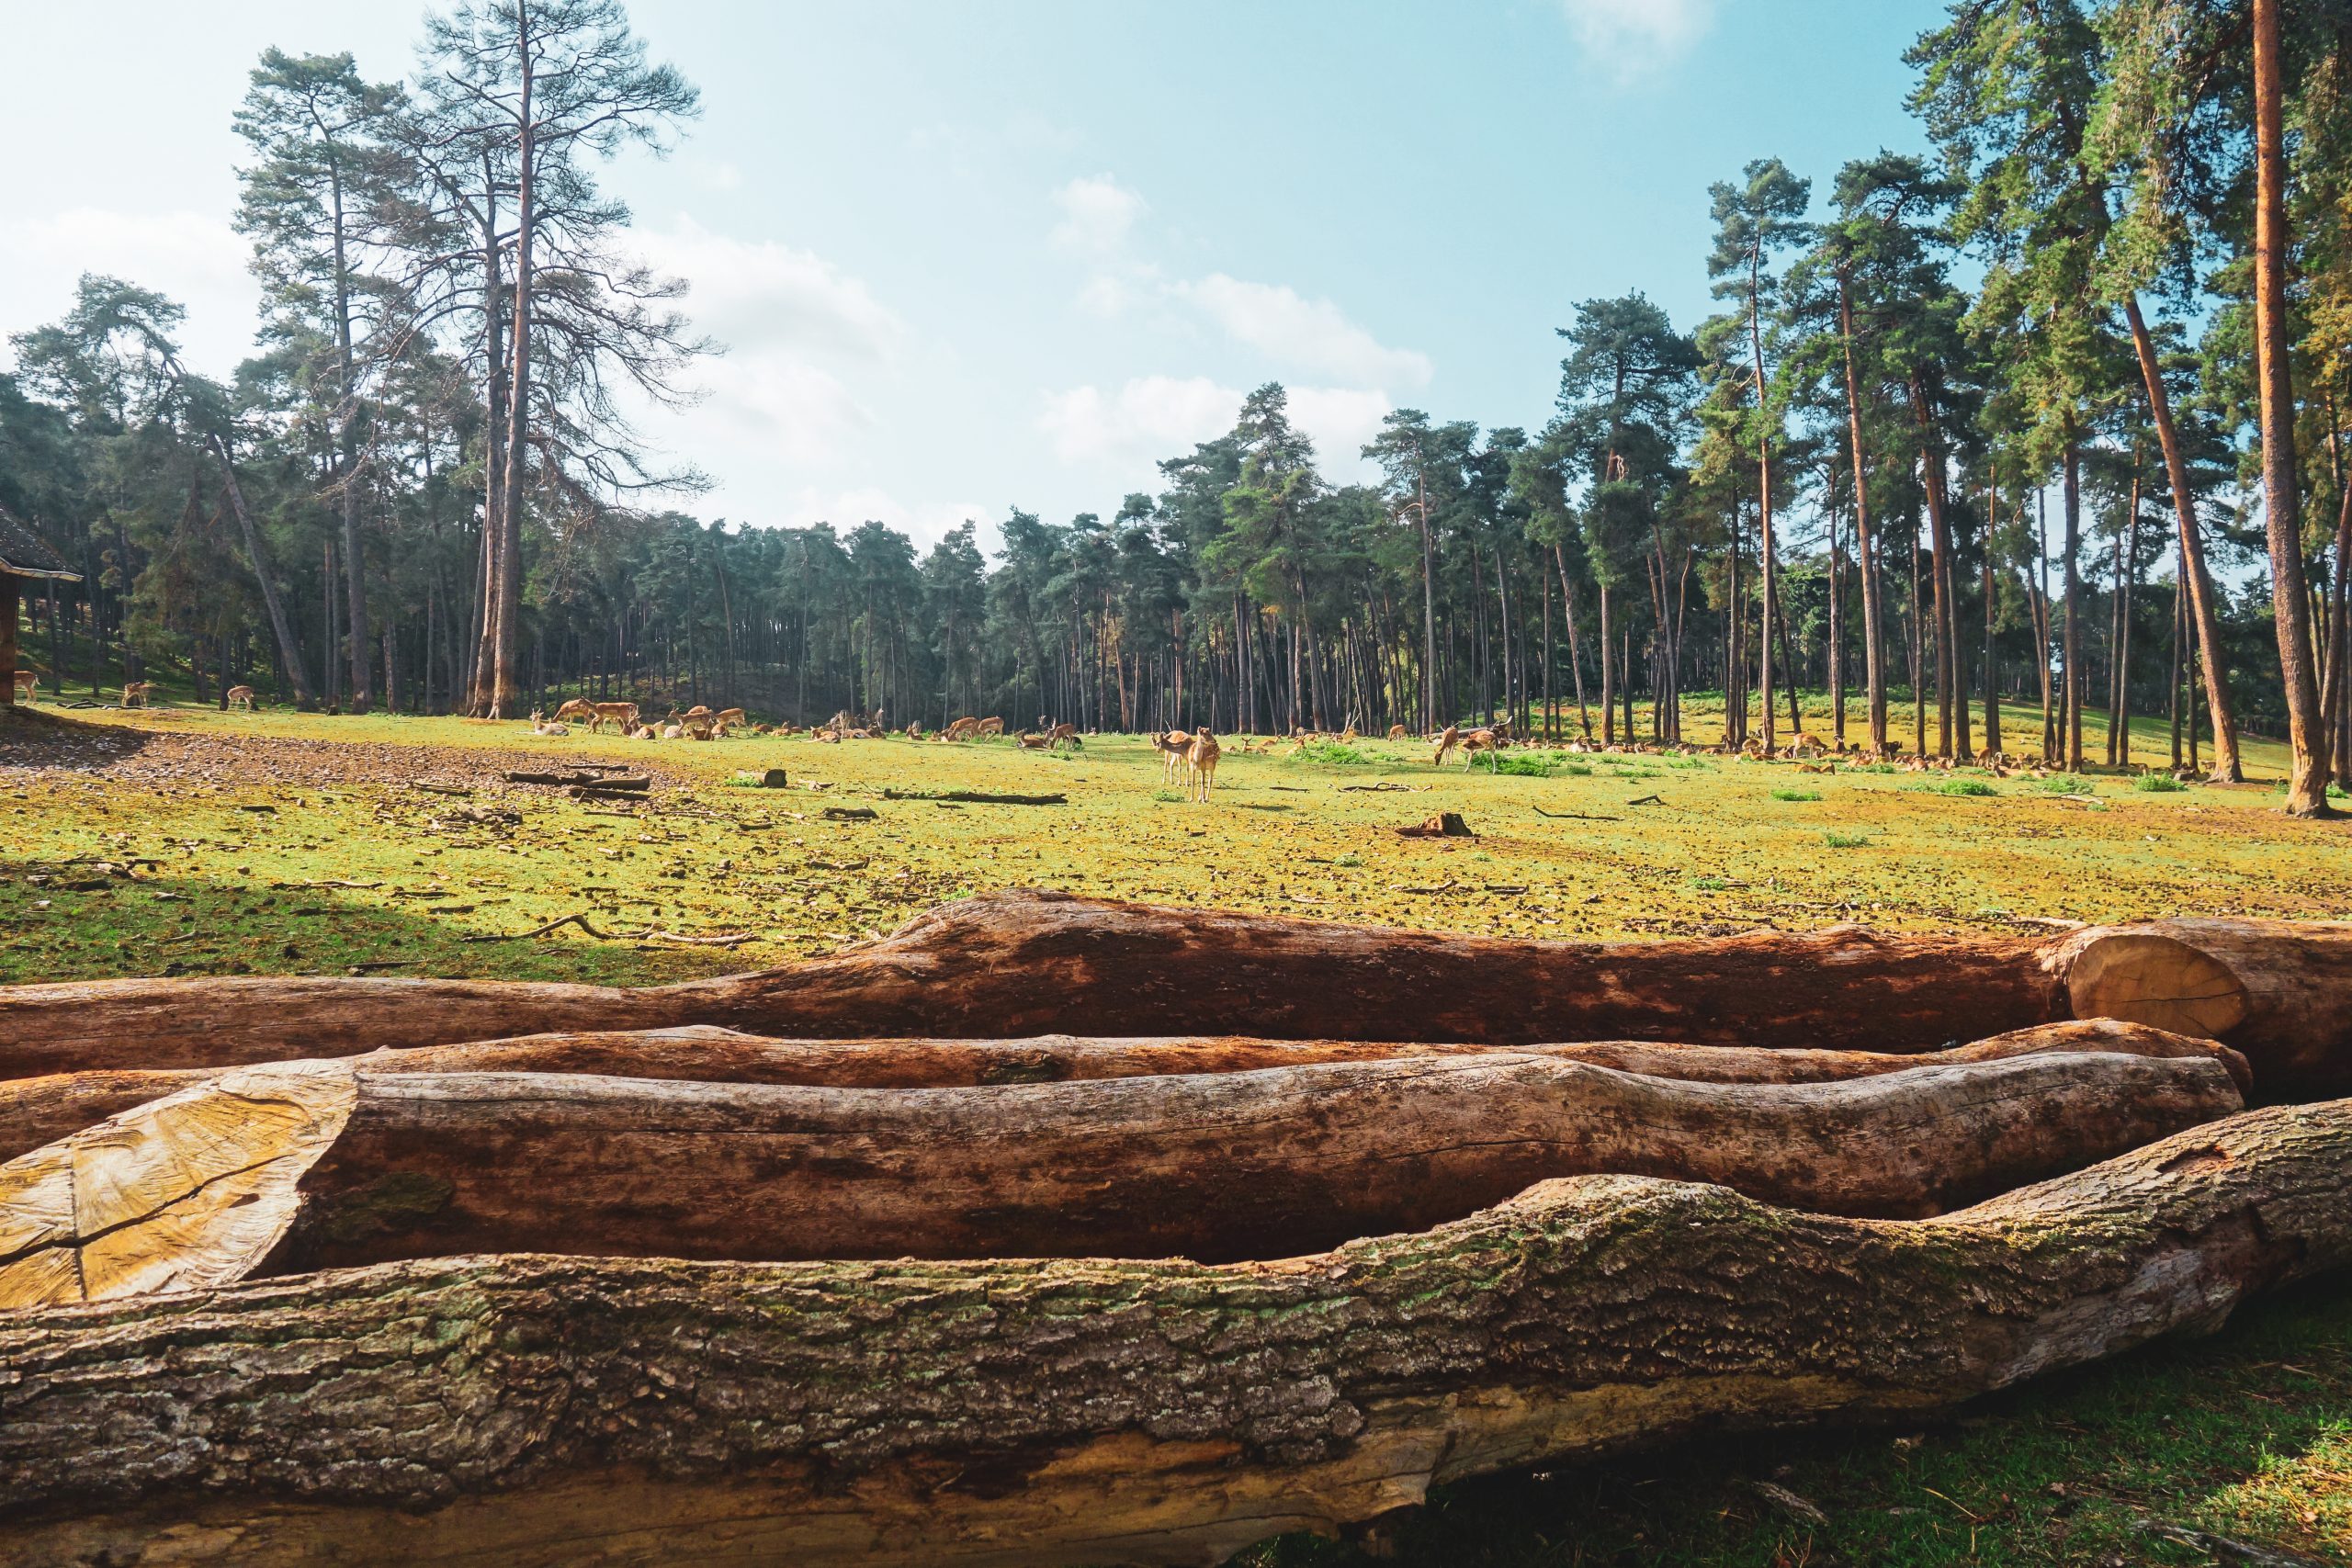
[(976, 255)]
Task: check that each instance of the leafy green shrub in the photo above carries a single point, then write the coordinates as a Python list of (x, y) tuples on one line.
[(1873, 768), (1963, 786), (1531, 764), (1332, 751), (1846, 841), (2067, 784), (1167, 795), (1710, 884), (1796, 794), (1350, 859), (2157, 784)]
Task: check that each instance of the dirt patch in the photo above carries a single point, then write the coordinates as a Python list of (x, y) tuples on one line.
[(47, 744)]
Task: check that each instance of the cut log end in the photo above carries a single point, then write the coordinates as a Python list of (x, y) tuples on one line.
[(2146, 977), (182, 1194)]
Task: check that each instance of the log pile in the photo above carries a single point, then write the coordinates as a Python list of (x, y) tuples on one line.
[(1049, 1230)]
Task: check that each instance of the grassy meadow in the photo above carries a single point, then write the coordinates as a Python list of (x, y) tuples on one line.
[(185, 840)]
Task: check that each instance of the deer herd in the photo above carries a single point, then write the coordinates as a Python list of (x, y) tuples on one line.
[(1192, 753)]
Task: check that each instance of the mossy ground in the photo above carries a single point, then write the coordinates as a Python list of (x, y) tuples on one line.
[(301, 844)]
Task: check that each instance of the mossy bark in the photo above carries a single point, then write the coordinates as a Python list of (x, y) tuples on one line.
[(535, 1410)]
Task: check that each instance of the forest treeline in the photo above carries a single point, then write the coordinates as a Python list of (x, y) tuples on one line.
[(2048, 419)]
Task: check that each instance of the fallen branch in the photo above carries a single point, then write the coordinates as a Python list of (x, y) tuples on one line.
[(1646, 800), (1096, 1411), (849, 814), (1574, 815), (579, 918)]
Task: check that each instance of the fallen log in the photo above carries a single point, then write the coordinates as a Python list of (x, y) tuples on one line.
[(585, 777), (40, 1111), (975, 798), (1028, 962), (527, 1410), (1212, 1167)]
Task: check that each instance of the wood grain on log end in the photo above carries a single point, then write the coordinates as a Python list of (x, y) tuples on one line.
[(181, 1193), (2147, 976)]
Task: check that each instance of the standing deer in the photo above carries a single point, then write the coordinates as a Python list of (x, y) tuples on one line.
[(1174, 747), (135, 692), (241, 697), (1202, 756)]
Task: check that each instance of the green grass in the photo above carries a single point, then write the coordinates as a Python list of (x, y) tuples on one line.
[(1796, 794), (154, 865), (2159, 784)]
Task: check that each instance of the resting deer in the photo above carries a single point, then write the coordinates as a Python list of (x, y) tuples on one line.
[(1033, 742), (241, 697), (135, 692), (548, 726), (1200, 759)]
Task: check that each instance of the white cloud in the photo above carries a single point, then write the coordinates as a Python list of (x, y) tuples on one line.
[(1313, 334), (1633, 35), (195, 260), (1098, 216), (1148, 417), (1341, 419), (758, 295), (1151, 417)]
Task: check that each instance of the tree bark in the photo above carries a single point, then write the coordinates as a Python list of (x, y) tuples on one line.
[(1093, 1412), (2282, 486), (1025, 962), (289, 652), (40, 1111), (1865, 550), (2227, 768)]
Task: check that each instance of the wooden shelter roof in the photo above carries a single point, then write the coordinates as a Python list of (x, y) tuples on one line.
[(24, 553)]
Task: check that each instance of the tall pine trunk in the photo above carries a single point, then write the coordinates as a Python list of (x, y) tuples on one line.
[(2290, 602), (2197, 582)]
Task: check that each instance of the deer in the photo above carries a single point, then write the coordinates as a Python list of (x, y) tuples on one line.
[(28, 686), (135, 692), (1173, 747), (241, 697), (602, 714), (962, 729), (1398, 732), (1033, 742), (1445, 744), (548, 726), (991, 727), (1063, 732), (726, 719), (1200, 770)]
